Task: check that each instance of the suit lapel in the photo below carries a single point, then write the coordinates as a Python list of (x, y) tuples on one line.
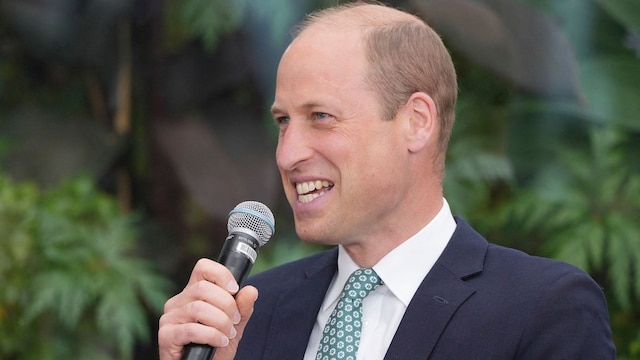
[(297, 310), (441, 293)]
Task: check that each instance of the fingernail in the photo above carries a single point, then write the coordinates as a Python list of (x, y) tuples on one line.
[(224, 340), (232, 286), (233, 333), (236, 317)]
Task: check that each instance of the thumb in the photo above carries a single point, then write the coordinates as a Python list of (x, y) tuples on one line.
[(245, 300)]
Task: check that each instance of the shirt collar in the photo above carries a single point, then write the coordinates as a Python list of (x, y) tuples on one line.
[(404, 268)]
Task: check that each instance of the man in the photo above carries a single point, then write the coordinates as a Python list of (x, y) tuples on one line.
[(364, 100)]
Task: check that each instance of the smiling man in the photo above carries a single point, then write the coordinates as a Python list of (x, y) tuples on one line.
[(365, 102)]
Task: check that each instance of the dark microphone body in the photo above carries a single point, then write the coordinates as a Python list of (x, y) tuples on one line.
[(250, 226)]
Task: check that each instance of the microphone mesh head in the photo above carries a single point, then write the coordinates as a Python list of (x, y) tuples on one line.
[(254, 216)]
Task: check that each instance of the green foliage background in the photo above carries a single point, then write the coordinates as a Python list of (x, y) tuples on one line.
[(544, 155), (72, 284)]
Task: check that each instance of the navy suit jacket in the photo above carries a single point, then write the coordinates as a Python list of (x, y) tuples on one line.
[(479, 301)]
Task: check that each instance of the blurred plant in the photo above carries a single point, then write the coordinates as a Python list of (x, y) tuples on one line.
[(210, 20), (72, 285), (476, 158)]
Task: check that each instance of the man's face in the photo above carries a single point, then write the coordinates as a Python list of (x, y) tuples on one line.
[(342, 166)]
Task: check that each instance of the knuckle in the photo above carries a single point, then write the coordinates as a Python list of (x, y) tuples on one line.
[(195, 308), (201, 286), (202, 262), (190, 331), (168, 305), (163, 333)]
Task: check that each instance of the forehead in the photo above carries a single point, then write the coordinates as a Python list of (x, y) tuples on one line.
[(323, 56)]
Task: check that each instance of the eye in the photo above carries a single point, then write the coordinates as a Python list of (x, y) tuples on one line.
[(281, 120), (321, 116)]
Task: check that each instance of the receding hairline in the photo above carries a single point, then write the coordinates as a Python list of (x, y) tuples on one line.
[(357, 15)]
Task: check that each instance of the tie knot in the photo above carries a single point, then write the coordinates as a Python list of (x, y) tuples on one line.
[(361, 283)]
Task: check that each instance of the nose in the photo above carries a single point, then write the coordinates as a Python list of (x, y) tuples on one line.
[(294, 146)]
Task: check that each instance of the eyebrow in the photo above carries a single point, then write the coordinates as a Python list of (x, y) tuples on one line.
[(308, 105), (275, 109)]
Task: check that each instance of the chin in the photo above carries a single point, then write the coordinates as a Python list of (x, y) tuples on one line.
[(312, 237)]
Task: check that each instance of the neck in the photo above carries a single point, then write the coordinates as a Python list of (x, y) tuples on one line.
[(369, 253)]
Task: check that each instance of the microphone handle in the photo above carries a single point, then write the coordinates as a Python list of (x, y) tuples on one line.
[(198, 352), (235, 256)]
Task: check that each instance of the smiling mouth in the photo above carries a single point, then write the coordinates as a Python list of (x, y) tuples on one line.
[(309, 190)]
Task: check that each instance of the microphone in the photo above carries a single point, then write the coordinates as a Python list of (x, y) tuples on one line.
[(250, 226)]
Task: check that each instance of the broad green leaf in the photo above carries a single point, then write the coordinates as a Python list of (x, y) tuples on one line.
[(59, 293), (574, 252)]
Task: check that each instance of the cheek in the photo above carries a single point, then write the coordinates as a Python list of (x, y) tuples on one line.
[(387, 163), (375, 165)]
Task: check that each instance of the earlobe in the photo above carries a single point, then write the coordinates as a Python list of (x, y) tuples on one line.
[(423, 121)]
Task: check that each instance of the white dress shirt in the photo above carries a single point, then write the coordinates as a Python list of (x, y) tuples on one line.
[(402, 271)]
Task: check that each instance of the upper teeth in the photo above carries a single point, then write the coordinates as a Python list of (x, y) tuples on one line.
[(309, 186), (305, 189)]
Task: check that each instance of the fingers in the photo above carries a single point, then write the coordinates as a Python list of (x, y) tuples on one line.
[(213, 272), (245, 299), (191, 302), (173, 337), (205, 312)]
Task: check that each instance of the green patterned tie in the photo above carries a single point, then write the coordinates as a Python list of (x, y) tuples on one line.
[(341, 335)]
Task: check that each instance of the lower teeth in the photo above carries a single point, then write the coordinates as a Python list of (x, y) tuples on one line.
[(309, 197)]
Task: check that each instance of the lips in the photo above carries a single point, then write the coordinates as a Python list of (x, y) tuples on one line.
[(309, 190)]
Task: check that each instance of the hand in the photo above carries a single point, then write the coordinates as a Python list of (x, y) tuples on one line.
[(206, 312)]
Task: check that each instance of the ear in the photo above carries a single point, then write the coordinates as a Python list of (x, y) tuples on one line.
[(423, 123)]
